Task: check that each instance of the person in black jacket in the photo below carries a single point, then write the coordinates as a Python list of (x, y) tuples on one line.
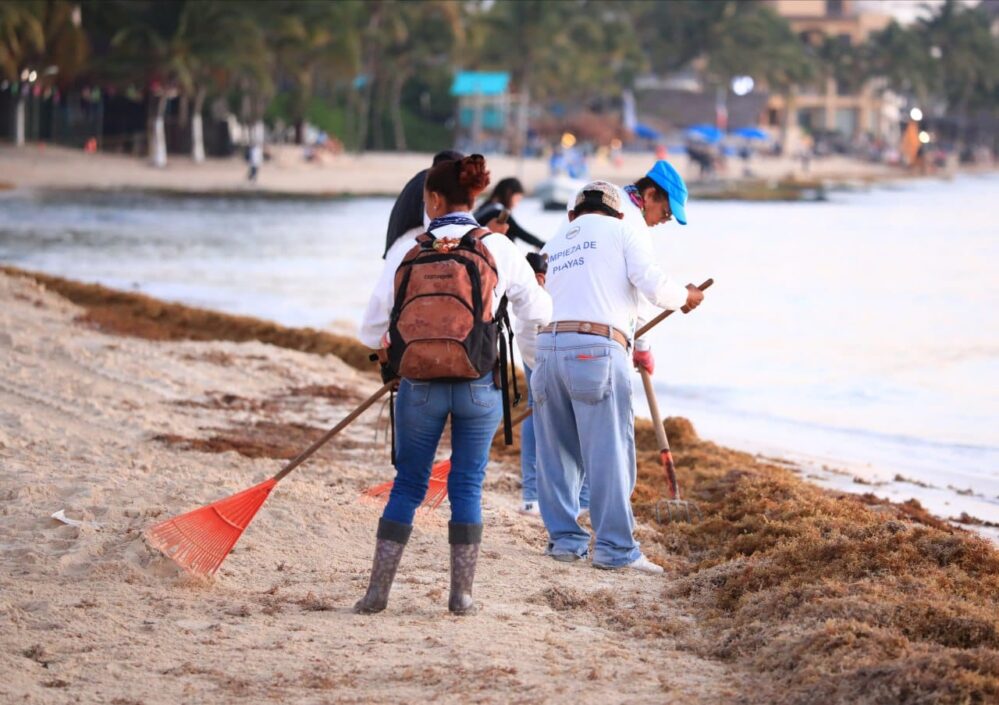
[(506, 195), (407, 212)]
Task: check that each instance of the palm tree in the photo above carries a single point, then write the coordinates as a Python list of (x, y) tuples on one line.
[(949, 59), (310, 39), (902, 57), (151, 50), (755, 41), (520, 36), (215, 42), (185, 49), (960, 40), (41, 43), (21, 36), (414, 37)]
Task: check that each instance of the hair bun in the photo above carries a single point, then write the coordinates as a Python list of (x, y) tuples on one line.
[(459, 180), (472, 173)]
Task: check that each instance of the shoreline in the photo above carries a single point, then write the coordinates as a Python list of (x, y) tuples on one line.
[(130, 313), (784, 589), (383, 174)]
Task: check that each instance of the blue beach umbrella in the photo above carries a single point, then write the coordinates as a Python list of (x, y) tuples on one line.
[(705, 132), (751, 133), (645, 132)]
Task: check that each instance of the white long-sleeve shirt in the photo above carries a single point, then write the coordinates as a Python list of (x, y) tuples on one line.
[(515, 278), (600, 267)]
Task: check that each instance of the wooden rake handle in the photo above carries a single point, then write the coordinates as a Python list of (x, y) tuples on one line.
[(666, 314), (657, 419), (308, 452), (642, 331), (661, 439), (657, 424)]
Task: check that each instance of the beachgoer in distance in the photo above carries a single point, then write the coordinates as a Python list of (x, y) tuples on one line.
[(600, 267), (436, 273), (255, 156), (505, 196), (408, 214)]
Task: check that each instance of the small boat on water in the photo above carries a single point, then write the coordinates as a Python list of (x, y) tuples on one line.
[(558, 191)]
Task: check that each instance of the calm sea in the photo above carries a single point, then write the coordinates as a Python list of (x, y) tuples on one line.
[(860, 334)]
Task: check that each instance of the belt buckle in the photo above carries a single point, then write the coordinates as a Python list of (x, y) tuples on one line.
[(585, 328)]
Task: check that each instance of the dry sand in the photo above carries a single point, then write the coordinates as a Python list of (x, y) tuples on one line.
[(37, 166), (92, 615)]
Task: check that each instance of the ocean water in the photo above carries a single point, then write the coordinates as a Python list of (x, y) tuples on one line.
[(858, 336)]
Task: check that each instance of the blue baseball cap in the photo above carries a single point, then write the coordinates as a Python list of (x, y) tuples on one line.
[(669, 180)]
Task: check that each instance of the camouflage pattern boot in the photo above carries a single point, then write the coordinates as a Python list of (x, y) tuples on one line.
[(464, 540), (392, 538)]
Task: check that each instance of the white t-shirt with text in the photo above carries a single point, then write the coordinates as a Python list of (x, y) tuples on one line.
[(600, 267)]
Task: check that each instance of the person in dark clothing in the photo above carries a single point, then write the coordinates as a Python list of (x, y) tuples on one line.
[(506, 195), (407, 212)]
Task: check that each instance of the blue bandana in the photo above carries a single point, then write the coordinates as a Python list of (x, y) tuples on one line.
[(453, 219)]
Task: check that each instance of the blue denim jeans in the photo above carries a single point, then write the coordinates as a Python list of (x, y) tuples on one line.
[(529, 457), (528, 450), (421, 410), (585, 426)]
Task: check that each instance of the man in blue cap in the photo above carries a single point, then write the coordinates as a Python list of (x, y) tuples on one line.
[(661, 195), (656, 198)]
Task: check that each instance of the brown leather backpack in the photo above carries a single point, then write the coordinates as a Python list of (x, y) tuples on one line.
[(442, 325)]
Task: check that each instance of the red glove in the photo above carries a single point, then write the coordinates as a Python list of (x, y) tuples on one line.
[(644, 360)]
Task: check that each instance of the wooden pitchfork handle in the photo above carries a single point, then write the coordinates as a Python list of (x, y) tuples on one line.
[(641, 331), (666, 314), (657, 419), (308, 452), (657, 424)]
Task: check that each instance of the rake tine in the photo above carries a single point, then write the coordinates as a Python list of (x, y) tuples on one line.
[(677, 511), (200, 540)]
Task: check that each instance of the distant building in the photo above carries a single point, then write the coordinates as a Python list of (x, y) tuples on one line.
[(483, 110), (829, 107), (670, 103)]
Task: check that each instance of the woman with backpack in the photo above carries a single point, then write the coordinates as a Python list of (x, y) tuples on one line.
[(433, 318), (506, 196)]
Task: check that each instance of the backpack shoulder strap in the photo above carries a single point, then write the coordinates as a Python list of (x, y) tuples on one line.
[(424, 242)]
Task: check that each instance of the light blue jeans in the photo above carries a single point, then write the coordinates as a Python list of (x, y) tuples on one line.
[(529, 457), (421, 409), (585, 426)]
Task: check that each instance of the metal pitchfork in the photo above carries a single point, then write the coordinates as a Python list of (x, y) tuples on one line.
[(674, 508)]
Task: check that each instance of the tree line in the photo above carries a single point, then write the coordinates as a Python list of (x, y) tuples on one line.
[(376, 73)]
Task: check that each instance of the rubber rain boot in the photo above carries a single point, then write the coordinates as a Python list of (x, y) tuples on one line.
[(392, 538), (465, 540)]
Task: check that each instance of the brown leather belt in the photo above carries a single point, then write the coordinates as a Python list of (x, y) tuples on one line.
[(587, 328)]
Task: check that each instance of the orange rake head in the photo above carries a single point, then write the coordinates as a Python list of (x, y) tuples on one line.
[(436, 490), (379, 493), (436, 493), (200, 540)]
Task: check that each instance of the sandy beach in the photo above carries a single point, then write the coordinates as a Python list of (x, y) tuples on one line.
[(94, 615), (39, 166), (784, 594)]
